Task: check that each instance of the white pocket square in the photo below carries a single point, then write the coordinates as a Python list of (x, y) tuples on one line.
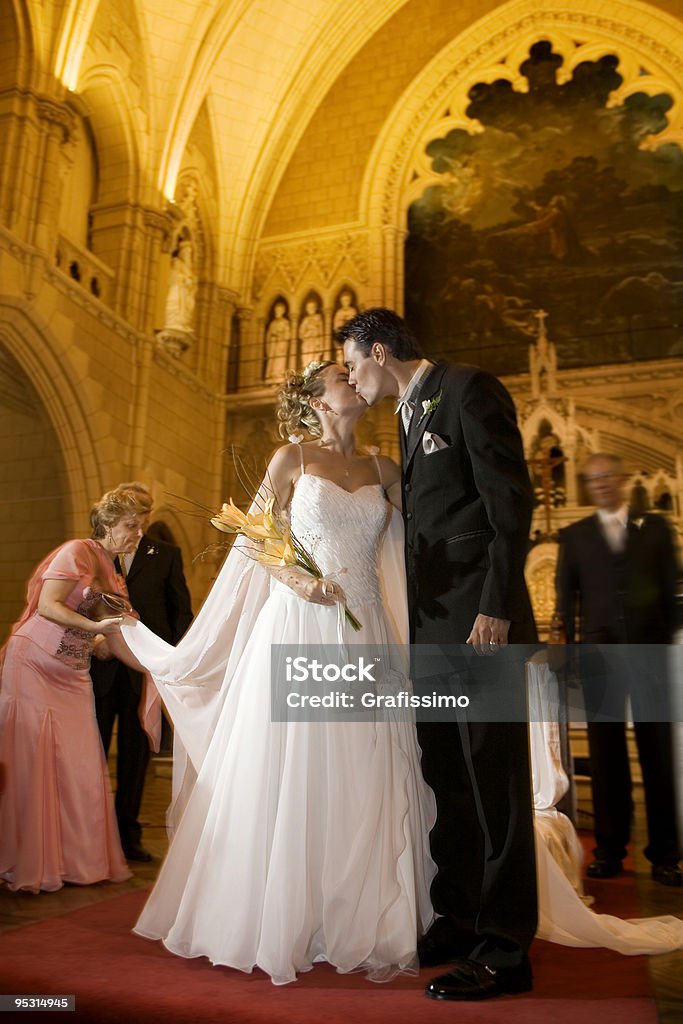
[(433, 443)]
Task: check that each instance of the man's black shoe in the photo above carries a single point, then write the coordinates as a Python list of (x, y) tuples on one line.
[(666, 874), (604, 869), (470, 980), (137, 852)]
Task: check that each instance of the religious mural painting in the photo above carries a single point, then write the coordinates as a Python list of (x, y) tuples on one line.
[(557, 204)]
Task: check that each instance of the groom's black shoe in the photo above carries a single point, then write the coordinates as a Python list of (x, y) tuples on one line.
[(470, 980), (666, 874), (600, 868)]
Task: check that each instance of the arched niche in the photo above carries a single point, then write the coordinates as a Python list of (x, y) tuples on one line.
[(35, 501), (37, 353), (647, 42)]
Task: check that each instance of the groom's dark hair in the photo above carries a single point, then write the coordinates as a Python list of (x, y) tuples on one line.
[(384, 326)]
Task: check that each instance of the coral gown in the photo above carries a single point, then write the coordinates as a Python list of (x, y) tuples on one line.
[(57, 821)]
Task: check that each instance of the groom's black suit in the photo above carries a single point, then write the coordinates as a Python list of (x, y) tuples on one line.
[(467, 512)]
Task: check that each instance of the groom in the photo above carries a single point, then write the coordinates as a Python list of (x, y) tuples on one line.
[(467, 504)]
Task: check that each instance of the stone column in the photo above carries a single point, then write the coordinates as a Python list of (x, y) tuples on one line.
[(57, 125), (157, 226), (215, 308), (144, 352), (393, 274)]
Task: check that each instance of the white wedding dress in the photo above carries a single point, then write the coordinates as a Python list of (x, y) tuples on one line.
[(298, 841)]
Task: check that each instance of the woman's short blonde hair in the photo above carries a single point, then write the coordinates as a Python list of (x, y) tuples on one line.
[(114, 505), (294, 400)]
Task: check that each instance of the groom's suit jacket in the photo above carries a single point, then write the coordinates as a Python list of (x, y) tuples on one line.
[(467, 508)]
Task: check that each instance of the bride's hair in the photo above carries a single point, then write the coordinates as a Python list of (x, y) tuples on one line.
[(294, 397)]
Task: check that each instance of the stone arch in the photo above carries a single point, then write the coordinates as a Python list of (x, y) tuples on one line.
[(76, 27), (112, 116), (213, 33), (648, 42), (37, 352), (21, 44)]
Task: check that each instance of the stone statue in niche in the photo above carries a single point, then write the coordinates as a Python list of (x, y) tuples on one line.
[(346, 309), (278, 334), (182, 290), (311, 333)]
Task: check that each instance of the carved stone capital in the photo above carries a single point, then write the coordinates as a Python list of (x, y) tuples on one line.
[(226, 295), (175, 342), (157, 220), (57, 115)]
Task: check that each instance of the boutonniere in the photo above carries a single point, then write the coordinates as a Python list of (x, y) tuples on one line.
[(638, 522), (151, 550), (430, 404)]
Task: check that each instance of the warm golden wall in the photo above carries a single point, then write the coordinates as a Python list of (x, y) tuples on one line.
[(255, 128)]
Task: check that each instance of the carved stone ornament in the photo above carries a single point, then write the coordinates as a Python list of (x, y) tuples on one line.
[(175, 342)]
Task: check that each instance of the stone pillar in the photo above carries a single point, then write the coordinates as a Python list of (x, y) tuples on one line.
[(144, 352), (294, 358), (393, 262), (129, 238), (327, 333), (214, 311), (157, 226), (57, 124)]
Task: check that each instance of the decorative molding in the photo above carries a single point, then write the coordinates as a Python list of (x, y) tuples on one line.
[(55, 113), (307, 261), (440, 99)]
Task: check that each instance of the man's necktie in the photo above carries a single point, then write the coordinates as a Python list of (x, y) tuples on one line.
[(405, 407), (615, 532)]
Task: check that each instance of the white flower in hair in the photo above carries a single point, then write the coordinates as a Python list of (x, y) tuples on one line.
[(295, 438), (311, 369)]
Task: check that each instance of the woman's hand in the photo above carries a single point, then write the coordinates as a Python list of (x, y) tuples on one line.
[(323, 592), (101, 649), (308, 587), (108, 626)]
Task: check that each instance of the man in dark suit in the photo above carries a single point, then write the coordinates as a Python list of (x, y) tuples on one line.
[(158, 593), (467, 504), (616, 584)]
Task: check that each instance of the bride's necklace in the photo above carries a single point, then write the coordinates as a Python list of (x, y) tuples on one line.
[(348, 459)]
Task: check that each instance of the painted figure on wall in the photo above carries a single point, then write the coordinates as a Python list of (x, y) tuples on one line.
[(557, 204), (311, 332), (278, 334)]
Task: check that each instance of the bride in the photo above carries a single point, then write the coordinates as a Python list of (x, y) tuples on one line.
[(300, 842)]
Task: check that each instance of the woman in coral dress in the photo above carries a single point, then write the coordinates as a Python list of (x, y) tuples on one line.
[(57, 821)]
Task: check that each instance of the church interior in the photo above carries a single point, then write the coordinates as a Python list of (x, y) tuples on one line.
[(194, 197)]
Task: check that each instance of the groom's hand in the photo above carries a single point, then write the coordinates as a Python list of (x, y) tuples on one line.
[(488, 635)]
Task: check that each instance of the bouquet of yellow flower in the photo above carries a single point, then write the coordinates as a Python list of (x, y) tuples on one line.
[(273, 542)]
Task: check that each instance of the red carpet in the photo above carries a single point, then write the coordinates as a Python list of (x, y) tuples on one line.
[(118, 976)]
